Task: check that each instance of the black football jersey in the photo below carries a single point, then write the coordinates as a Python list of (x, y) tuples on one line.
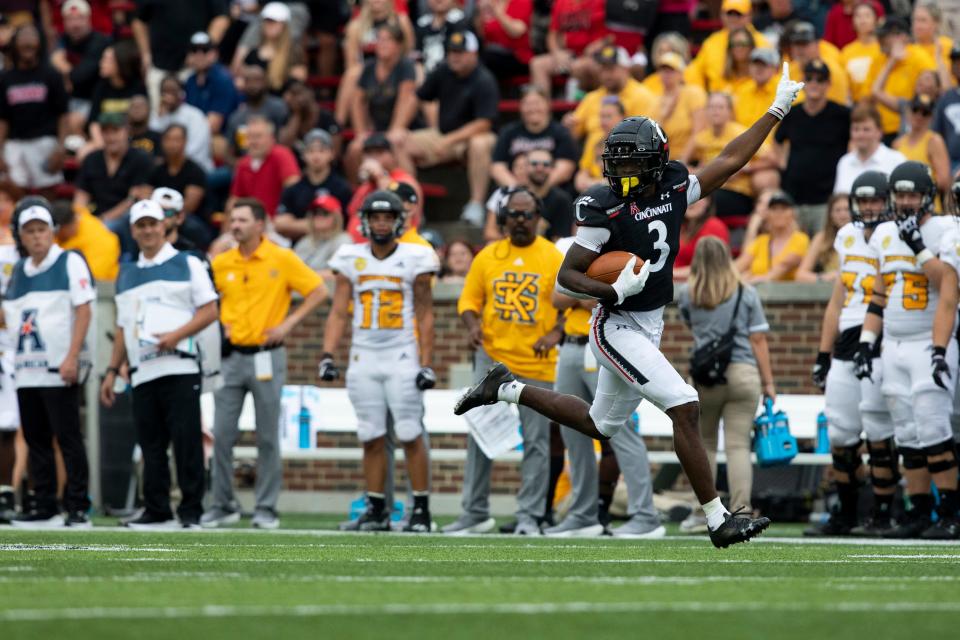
[(646, 227)]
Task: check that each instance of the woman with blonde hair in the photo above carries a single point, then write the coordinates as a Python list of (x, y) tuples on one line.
[(359, 45), (821, 262), (667, 42), (277, 53), (736, 68), (716, 305)]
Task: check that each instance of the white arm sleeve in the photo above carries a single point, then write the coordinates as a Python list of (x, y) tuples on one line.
[(693, 189), (592, 238)]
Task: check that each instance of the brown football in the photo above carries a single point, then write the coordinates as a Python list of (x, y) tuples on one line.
[(607, 267)]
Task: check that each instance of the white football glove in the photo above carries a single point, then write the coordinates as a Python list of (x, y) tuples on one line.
[(787, 91), (629, 283)]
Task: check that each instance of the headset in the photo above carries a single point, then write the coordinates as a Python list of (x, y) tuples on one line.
[(509, 193)]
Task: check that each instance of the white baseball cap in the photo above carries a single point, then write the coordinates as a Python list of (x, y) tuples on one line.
[(276, 11), (36, 212), (81, 7), (145, 209), (168, 199)]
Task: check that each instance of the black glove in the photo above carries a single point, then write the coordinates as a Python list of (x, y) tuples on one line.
[(426, 379), (910, 233), (863, 361), (938, 363), (820, 370), (328, 370)]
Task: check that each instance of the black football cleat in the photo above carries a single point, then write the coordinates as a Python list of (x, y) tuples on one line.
[(420, 521), (836, 525), (485, 391), (912, 526), (736, 528), (876, 526), (371, 520), (943, 529)]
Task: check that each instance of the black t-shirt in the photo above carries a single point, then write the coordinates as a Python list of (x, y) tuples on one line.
[(462, 100), (148, 142), (32, 101), (646, 227), (190, 174), (516, 139), (107, 98), (382, 96), (297, 197), (558, 211), (431, 39), (172, 22), (107, 191), (816, 145), (84, 56)]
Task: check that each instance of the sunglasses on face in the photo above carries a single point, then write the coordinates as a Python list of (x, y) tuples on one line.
[(516, 214), (820, 79), (540, 163), (734, 14), (926, 113)]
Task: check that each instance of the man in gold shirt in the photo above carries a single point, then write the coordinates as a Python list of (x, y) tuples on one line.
[(615, 79), (255, 281), (706, 70), (81, 231), (893, 74), (506, 307)]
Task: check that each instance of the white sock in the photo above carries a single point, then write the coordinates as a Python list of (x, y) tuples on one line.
[(715, 511), (510, 391)]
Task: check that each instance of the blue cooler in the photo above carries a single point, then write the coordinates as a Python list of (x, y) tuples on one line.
[(773, 443)]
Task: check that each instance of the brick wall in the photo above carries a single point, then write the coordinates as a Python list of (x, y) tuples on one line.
[(793, 311)]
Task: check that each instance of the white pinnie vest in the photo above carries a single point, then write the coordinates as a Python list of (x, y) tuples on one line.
[(142, 289), (39, 315)]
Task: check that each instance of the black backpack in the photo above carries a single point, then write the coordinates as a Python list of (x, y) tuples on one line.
[(709, 362)]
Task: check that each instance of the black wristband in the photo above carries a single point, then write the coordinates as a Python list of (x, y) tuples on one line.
[(940, 351), (875, 309), (326, 355)]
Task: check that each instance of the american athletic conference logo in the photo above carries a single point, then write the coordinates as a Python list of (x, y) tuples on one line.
[(516, 296), (29, 331)]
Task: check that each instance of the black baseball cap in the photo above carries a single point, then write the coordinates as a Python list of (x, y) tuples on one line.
[(404, 191), (801, 33), (780, 197), (462, 41), (112, 119), (377, 140), (818, 68), (922, 102)]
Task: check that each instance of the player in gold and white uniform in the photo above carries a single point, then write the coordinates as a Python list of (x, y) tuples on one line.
[(917, 282), (389, 283), (855, 406)]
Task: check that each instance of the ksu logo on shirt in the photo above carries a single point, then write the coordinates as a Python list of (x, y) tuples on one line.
[(516, 295), (29, 332)]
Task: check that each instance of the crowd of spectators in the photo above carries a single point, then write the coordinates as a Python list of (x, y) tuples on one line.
[(309, 106)]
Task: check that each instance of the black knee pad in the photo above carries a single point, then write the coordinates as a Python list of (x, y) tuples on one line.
[(848, 460), (913, 458), (884, 457), (945, 447)]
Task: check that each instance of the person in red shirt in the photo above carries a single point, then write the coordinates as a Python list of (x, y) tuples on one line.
[(700, 220), (377, 171), (266, 170), (504, 27), (578, 29), (838, 29)]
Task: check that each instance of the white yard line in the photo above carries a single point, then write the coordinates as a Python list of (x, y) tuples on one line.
[(463, 608)]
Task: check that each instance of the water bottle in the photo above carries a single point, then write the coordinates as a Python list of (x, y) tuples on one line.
[(304, 421), (823, 435)]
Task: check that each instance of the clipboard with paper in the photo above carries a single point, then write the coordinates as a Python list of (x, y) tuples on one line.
[(495, 428), (156, 318)]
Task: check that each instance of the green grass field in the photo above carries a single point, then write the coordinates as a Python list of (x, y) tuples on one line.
[(313, 583)]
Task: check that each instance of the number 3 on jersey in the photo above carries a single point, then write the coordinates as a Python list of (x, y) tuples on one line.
[(660, 244), (389, 308)]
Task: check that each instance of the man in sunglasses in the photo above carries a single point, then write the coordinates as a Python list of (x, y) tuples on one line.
[(639, 211), (507, 309), (210, 87), (707, 69)]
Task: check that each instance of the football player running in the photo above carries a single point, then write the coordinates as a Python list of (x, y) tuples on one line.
[(914, 303), (854, 406), (389, 283), (640, 211)]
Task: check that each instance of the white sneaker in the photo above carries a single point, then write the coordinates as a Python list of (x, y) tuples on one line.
[(528, 528), (630, 533), (574, 530), (474, 213), (694, 523), (463, 526), (31, 521), (217, 517), (265, 520)]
